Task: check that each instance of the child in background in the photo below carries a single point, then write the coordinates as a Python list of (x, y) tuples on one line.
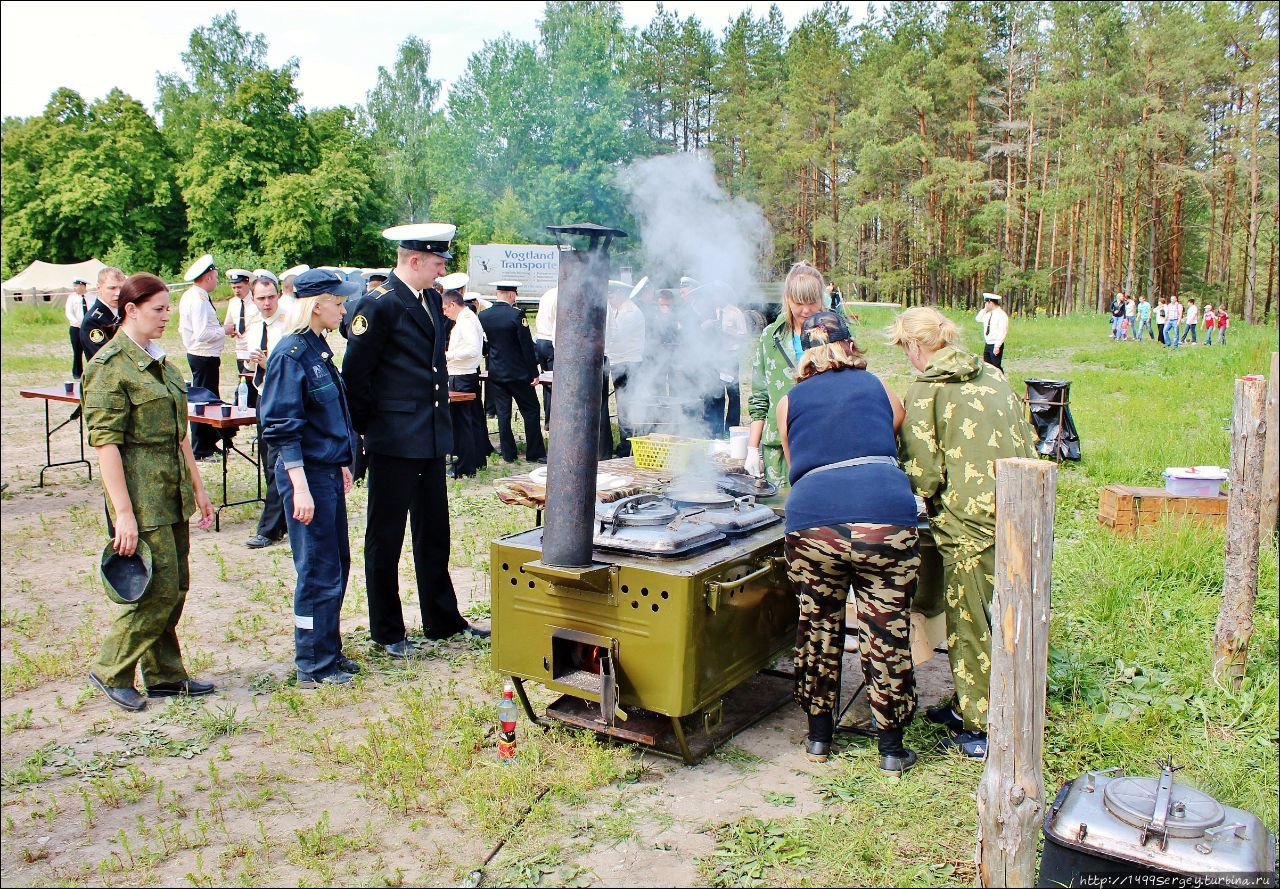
[(1124, 328), (1210, 319), (1223, 323)]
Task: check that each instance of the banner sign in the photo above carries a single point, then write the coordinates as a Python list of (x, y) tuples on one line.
[(535, 266)]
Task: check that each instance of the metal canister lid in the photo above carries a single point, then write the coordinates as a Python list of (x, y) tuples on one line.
[(1132, 799)]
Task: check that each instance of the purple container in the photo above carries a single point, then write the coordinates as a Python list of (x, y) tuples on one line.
[(70, 386), (226, 411), (199, 409)]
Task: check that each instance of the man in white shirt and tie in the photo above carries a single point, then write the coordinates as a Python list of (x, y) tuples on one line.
[(995, 328), (268, 327), (76, 308), (202, 337), (466, 345), (240, 313)]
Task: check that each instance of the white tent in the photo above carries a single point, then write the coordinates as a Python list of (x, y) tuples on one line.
[(47, 284)]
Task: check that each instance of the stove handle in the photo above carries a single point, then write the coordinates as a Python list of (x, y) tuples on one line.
[(715, 587)]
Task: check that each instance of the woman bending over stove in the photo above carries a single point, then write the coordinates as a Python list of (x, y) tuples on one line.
[(851, 523)]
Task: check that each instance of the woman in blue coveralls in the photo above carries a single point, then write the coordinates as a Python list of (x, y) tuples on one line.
[(304, 418)]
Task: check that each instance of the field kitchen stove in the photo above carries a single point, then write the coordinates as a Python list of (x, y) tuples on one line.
[(656, 617)]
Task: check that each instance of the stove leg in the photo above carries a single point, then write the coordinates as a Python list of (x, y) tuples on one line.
[(524, 702), (678, 730)]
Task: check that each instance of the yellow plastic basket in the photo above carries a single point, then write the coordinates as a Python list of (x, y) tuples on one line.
[(666, 451)]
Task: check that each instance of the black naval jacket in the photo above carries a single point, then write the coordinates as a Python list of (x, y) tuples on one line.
[(396, 376), (97, 329), (511, 355)]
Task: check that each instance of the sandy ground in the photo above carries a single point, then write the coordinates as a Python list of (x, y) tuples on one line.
[(244, 795)]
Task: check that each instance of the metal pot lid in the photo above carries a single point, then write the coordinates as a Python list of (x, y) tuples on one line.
[(742, 485), (637, 511), (703, 495), (1132, 799)]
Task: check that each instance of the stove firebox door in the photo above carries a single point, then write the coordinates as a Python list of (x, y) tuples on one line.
[(585, 665)]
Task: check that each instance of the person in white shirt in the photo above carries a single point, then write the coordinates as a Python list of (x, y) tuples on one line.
[(624, 342), (202, 337), (995, 328), (239, 315), (76, 308), (544, 343), (270, 324), (462, 357), (1173, 323), (1191, 319)]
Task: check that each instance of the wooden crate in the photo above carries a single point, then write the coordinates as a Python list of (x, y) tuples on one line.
[(1127, 508)]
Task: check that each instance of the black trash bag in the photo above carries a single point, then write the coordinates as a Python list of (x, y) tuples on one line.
[(1049, 401)]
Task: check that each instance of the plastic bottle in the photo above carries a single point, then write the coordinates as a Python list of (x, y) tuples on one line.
[(242, 395), (507, 725)]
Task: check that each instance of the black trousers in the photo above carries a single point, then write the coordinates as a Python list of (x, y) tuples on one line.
[(623, 376), (77, 353), (204, 372), (505, 392), (734, 415), (400, 488), (545, 352), (271, 524), (470, 432), (989, 355)]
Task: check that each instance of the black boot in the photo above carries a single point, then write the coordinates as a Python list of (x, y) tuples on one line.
[(822, 728), (894, 757)]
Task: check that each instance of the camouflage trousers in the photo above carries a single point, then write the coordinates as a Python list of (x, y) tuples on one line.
[(146, 632), (879, 564), (968, 585)]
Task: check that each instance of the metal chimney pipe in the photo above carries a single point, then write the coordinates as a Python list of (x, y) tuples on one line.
[(570, 520)]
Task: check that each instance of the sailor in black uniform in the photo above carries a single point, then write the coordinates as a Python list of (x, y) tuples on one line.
[(398, 391), (513, 372)]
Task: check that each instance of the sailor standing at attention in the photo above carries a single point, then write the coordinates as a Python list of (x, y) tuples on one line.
[(995, 328), (202, 337), (398, 390)]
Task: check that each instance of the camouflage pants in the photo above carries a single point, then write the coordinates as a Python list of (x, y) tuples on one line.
[(879, 563), (146, 632), (969, 583)]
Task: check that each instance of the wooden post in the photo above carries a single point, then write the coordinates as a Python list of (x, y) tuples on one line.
[(1244, 508), (1271, 453), (1011, 793)]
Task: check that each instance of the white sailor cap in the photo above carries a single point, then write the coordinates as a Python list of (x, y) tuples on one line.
[(994, 297), (199, 267), (265, 273), (616, 286), (456, 281), (238, 276), (424, 237), (78, 280), (296, 270), (384, 274), (635, 291), (686, 281), (506, 285)]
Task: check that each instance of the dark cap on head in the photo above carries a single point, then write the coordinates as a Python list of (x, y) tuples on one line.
[(317, 282), (823, 327)]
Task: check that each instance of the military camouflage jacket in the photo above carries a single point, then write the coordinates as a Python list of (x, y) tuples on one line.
[(771, 365), (961, 417), (140, 404)]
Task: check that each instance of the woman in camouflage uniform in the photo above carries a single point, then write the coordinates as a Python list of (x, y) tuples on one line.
[(777, 353), (135, 406), (961, 418)]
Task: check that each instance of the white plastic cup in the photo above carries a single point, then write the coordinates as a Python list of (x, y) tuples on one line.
[(738, 437)]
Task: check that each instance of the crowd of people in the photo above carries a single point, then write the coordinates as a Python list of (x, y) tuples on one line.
[(416, 336), (1170, 322)]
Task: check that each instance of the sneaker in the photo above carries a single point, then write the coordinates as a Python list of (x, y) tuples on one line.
[(972, 745), (337, 677), (257, 541), (946, 717)]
